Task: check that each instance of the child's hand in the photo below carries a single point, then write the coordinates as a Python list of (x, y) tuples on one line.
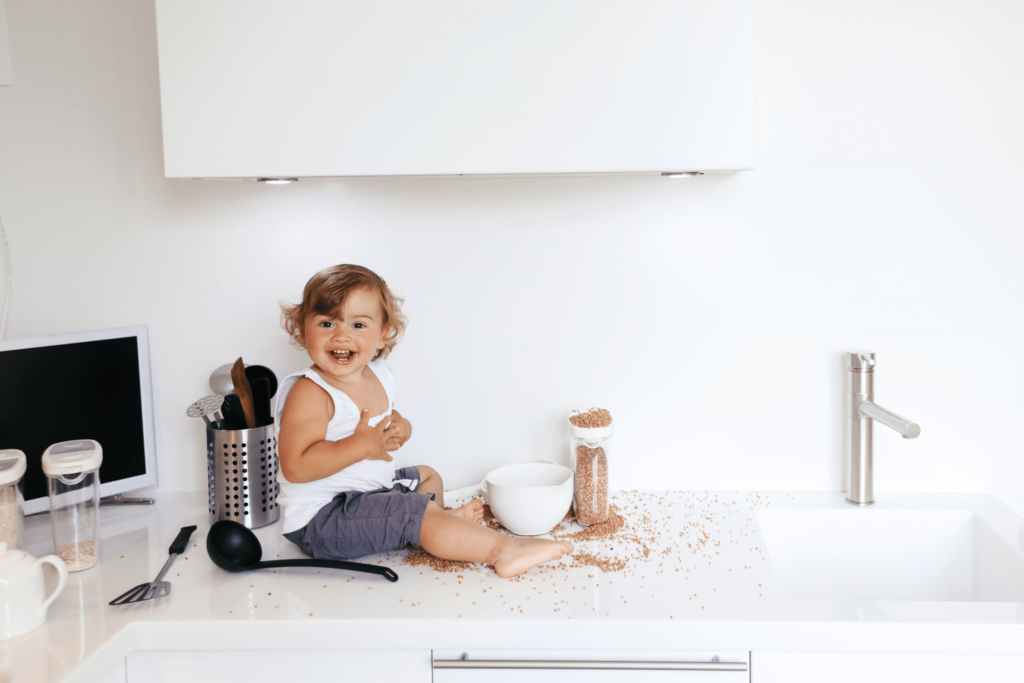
[(398, 432), (374, 438)]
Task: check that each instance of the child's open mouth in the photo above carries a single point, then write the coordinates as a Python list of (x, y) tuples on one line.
[(343, 356)]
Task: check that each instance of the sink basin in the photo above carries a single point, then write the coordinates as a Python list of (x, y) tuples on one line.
[(873, 554)]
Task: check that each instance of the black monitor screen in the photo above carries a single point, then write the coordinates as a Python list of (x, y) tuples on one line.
[(85, 390)]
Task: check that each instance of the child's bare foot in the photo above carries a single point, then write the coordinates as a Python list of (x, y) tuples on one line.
[(518, 555), (473, 511)]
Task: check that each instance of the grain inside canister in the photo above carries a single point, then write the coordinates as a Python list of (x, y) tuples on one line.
[(78, 555), (10, 520), (590, 438), (591, 485)]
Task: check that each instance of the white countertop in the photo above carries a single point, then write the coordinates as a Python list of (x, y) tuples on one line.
[(685, 594)]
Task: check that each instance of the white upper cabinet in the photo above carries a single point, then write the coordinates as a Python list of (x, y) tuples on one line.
[(266, 88)]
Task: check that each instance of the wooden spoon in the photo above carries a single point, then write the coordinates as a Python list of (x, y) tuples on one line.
[(244, 392)]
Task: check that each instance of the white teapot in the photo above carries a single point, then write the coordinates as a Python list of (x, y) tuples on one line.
[(23, 601)]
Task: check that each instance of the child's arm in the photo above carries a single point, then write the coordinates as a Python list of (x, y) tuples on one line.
[(304, 452)]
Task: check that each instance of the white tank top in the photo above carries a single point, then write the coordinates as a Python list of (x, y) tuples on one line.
[(301, 502)]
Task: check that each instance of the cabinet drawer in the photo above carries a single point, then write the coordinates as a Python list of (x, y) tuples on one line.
[(275, 666), (591, 666), (883, 667)]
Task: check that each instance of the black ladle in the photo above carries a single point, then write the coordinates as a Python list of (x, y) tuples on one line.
[(235, 548)]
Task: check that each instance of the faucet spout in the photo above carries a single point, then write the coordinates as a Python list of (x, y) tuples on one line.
[(861, 414), (907, 428)]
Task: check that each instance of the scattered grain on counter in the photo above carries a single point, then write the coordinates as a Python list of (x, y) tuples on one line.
[(639, 539), (492, 522), (77, 556), (421, 558), (605, 564), (599, 532)]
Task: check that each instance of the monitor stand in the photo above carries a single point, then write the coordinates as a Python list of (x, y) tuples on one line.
[(118, 499)]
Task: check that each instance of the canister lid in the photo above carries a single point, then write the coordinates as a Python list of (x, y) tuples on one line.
[(12, 466), (71, 457), (591, 433)]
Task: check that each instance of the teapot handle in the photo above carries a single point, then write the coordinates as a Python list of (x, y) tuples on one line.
[(62, 572)]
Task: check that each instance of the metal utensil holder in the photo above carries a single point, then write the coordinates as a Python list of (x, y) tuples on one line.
[(241, 468)]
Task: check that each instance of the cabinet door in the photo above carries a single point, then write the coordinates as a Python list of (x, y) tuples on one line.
[(275, 666), (263, 88), (883, 667), (610, 666)]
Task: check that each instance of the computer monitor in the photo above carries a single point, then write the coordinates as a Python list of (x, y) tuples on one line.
[(81, 385)]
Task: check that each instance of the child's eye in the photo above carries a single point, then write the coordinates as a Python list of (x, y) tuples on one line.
[(358, 326), (326, 323)]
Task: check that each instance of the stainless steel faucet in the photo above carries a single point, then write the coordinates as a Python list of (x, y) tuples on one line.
[(861, 412)]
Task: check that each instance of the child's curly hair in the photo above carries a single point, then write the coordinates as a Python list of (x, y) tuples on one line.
[(325, 293)]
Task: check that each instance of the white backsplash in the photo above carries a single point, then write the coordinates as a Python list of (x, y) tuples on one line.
[(709, 315)]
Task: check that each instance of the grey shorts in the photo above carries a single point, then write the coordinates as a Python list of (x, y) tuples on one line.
[(359, 523)]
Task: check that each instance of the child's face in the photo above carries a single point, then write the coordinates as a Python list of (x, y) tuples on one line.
[(342, 344)]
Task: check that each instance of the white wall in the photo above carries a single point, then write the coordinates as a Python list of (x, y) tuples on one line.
[(709, 315)]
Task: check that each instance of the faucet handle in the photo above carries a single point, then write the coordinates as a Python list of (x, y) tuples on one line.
[(861, 361)]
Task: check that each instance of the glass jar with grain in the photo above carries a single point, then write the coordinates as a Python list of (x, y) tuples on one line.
[(72, 469), (590, 435), (12, 517)]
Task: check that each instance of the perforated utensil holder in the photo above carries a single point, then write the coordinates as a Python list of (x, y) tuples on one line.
[(241, 468)]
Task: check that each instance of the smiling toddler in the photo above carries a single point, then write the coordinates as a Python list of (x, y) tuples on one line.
[(342, 498)]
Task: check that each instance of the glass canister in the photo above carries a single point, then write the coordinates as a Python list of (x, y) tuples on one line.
[(73, 471), (12, 515), (590, 435)]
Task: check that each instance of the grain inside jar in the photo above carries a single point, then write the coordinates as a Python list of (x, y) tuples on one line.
[(591, 433), (591, 485)]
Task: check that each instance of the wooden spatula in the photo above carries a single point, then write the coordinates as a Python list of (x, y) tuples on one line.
[(244, 392)]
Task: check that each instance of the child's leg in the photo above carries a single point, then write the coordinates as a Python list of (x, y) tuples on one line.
[(452, 537), (430, 482)]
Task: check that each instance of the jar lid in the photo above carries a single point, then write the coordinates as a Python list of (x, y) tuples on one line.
[(12, 466), (71, 457), (591, 433)]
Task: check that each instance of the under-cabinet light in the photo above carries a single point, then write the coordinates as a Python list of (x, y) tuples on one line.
[(681, 174), (277, 181)]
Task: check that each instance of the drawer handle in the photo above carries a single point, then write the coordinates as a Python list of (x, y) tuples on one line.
[(563, 664)]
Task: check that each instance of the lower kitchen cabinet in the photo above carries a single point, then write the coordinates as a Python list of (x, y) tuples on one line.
[(883, 667), (419, 666), (275, 666), (562, 666), (589, 666)]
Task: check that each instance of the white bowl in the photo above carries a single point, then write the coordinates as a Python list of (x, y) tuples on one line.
[(529, 499)]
